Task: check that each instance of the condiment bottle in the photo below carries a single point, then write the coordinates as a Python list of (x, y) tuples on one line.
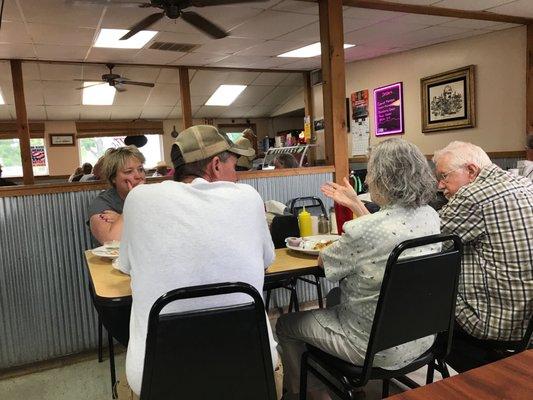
[(332, 221), (304, 222), (323, 224)]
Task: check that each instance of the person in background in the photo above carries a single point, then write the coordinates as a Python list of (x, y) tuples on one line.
[(5, 182), (161, 169), (77, 172), (195, 220), (285, 160), (244, 163), (401, 182), (123, 169), (97, 172), (491, 210), (249, 134), (525, 167)]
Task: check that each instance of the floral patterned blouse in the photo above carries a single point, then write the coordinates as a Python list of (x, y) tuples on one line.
[(358, 260)]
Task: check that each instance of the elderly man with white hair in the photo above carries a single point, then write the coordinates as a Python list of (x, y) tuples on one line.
[(492, 211)]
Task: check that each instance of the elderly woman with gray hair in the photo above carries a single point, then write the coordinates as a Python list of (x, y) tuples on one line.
[(401, 183)]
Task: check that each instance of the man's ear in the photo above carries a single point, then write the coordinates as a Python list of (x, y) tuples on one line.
[(473, 171), (212, 169)]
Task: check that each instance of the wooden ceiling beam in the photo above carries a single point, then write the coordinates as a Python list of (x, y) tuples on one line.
[(432, 10)]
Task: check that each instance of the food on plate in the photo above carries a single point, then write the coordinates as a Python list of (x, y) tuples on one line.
[(294, 241), (112, 245), (322, 244)]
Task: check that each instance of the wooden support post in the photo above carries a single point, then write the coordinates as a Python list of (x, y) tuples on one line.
[(185, 94), (309, 112), (334, 86), (23, 129)]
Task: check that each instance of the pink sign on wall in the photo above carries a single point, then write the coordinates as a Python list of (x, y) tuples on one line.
[(388, 109)]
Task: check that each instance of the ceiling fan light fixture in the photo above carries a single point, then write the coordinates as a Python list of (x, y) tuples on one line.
[(110, 38), (225, 95), (99, 95), (309, 51)]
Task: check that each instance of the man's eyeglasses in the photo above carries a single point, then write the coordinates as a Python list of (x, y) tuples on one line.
[(444, 176)]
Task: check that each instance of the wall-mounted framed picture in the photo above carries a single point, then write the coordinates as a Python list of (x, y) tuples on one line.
[(388, 109), (448, 100), (62, 139)]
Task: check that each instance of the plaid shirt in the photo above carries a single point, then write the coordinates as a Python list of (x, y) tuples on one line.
[(494, 218)]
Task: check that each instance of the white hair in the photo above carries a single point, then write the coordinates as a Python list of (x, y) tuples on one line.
[(462, 153)]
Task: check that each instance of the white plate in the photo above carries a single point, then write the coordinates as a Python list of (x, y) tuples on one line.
[(103, 252), (315, 238)]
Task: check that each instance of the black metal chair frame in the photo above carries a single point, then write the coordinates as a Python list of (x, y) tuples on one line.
[(434, 357), (205, 291)]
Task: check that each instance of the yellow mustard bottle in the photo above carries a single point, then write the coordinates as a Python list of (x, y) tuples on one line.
[(304, 222)]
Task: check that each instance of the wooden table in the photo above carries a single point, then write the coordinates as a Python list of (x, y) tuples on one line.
[(109, 283), (507, 379)]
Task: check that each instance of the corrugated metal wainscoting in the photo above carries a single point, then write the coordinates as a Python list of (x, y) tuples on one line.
[(45, 307)]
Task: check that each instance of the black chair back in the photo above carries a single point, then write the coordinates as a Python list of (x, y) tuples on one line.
[(220, 353), (312, 204), (282, 227), (412, 291)]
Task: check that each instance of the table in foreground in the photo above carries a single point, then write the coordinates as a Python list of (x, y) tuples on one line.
[(509, 379)]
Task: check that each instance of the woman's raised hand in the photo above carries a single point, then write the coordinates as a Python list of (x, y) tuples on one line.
[(342, 194)]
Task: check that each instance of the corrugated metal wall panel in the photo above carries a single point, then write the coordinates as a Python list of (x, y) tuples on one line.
[(45, 307)]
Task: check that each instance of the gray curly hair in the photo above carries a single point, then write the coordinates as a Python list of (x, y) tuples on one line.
[(401, 174)]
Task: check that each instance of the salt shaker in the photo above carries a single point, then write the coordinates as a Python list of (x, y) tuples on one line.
[(332, 221), (323, 224)]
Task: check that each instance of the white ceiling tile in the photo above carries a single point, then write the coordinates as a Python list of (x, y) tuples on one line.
[(277, 96), (133, 96), (470, 5), (30, 71), (415, 2), (302, 7), (239, 61), (36, 113), (63, 113), (125, 112), (425, 20), (352, 24), (208, 112), (227, 45), (117, 17), (502, 26), (519, 8), (229, 16), (112, 55), (270, 48), (194, 37), (17, 51), (5, 71), (60, 34), (157, 56), (60, 72), (33, 93), (260, 111), (14, 32), (380, 31), (301, 63), (369, 15), (271, 24), (205, 82), (175, 113), (7, 94), (57, 93), (199, 59), (294, 79), (62, 13), (60, 52), (470, 23), (307, 34), (169, 75), (11, 11), (95, 112), (95, 72), (199, 100), (235, 112), (425, 36), (164, 95), (240, 78), (5, 113), (271, 62), (156, 112), (269, 78), (140, 74), (252, 95)]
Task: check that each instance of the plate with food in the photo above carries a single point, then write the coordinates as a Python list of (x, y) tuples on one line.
[(310, 244), (108, 250)]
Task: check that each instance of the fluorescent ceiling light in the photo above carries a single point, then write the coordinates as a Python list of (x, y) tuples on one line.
[(312, 50), (111, 38), (99, 95), (1, 98), (225, 95)]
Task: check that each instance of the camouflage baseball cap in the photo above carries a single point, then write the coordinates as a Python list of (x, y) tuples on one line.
[(203, 141)]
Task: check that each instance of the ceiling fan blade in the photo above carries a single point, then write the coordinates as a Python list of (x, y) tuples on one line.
[(206, 3), (119, 88), (143, 24), (203, 24), (137, 83), (96, 84)]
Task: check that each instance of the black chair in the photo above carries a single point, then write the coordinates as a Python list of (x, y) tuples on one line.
[(220, 353), (417, 299)]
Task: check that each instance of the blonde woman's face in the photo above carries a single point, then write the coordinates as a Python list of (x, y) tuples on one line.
[(130, 175)]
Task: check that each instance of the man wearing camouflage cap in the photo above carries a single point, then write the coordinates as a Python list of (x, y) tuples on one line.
[(201, 228)]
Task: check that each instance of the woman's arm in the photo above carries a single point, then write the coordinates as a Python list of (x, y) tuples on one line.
[(106, 226), (345, 195)]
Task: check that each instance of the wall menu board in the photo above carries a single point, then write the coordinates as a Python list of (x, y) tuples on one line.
[(388, 108)]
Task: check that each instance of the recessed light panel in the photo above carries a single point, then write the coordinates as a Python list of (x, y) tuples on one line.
[(111, 38), (312, 50), (225, 95), (99, 95)]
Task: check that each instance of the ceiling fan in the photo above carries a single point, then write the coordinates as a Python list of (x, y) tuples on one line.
[(172, 9), (114, 80)]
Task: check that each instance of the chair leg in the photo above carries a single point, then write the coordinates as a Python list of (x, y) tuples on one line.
[(303, 376), (431, 372), (319, 292), (267, 300), (112, 365), (443, 369), (385, 389), (100, 346), (294, 294)]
